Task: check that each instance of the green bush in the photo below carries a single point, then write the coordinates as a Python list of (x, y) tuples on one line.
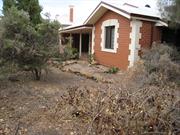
[(112, 70), (24, 44), (70, 53)]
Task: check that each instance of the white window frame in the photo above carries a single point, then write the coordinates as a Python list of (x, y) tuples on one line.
[(110, 22)]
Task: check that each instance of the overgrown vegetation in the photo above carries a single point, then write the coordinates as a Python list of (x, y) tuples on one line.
[(91, 58), (170, 11), (31, 7), (69, 53), (147, 102), (26, 41), (158, 65), (112, 70)]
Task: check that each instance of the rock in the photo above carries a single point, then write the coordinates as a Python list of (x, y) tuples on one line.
[(94, 63), (1, 120)]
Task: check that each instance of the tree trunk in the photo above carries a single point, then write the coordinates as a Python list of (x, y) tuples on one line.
[(37, 73)]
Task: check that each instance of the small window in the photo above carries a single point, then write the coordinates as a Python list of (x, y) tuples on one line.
[(109, 37)]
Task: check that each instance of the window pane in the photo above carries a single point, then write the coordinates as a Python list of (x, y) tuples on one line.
[(112, 37), (109, 37)]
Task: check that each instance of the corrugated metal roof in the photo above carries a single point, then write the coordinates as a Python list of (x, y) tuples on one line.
[(128, 8), (139, 10)]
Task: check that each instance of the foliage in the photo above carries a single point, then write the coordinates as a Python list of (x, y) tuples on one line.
[(112, 70), (32, 7), (54, 54), (170, 10), (7, 4), (139, 106), (6, 68), (91, 58), (24, 44), (48, 32), (70, 53), (157, 67), (158, 63)]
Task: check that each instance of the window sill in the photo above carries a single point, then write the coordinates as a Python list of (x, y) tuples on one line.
[(109, 50)]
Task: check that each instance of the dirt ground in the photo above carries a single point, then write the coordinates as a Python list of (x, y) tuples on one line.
[(26, 106)]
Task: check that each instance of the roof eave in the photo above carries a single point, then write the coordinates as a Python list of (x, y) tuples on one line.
[(158, 21), (92, 18), (108, 7), (81, 27)]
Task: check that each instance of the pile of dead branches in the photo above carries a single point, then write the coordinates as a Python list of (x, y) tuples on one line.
[(148, 102), (91, 111)]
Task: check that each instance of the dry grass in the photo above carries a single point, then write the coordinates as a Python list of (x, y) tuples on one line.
[(152, 110), (148, 101), (145, 101)]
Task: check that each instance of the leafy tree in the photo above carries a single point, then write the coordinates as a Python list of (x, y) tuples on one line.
[(7, 4), (170, 10), (26, 45), (32, 7), (27, 40), (48, 32)]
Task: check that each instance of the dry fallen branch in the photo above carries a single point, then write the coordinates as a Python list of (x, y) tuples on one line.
[(93, 111), (17, 129)]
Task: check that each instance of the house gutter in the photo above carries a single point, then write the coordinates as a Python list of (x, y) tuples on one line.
[(68, 30)]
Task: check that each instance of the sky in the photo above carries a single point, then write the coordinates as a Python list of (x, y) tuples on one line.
[(82, 8), (59, 9), (1, 3)]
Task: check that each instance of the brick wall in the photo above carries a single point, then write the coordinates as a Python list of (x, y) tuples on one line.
[(149, 32), (157, 34), (119, 59)]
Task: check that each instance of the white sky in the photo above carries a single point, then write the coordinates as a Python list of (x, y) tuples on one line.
[(82, 8)]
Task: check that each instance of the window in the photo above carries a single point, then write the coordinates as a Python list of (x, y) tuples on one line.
[(109, 37)]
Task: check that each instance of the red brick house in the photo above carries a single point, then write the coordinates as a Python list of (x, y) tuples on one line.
[(115, 34)]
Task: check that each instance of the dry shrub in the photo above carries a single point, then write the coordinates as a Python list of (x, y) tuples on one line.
[(157, 67), (147, 103), (89, 111)]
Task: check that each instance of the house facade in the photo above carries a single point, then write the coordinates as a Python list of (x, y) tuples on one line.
[(116, 34)]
